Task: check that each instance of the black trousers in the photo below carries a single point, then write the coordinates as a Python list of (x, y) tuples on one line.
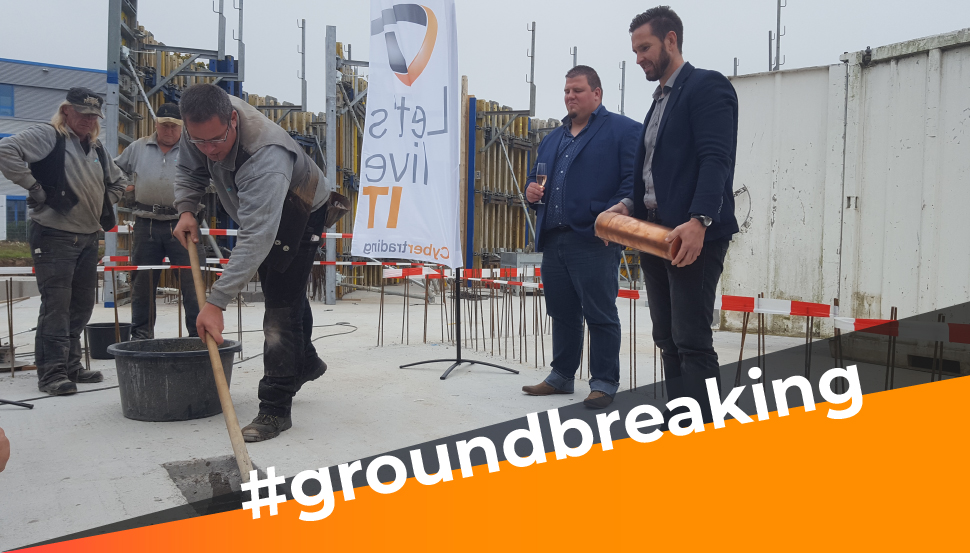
[(66, 266), (288, 325), (681, 301), (153, 243)]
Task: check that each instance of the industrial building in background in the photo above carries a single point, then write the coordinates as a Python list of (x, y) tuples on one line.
[(30, 93)]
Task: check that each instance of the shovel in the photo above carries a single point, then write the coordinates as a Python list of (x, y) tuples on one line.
[(228, 411)]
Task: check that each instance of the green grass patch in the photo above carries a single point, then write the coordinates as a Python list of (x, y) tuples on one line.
[(14, 250)]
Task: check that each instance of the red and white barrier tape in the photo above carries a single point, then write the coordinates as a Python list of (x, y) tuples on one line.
[(775, 307), (230, 232), (911, 330), (417, 272)]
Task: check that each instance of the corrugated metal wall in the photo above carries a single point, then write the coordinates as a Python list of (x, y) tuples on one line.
[(892, 231)]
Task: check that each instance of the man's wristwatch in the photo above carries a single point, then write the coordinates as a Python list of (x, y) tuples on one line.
[(704, 219)]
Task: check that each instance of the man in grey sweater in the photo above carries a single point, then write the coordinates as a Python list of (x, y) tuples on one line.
[(71, 184), (151, 164), (277, 195)]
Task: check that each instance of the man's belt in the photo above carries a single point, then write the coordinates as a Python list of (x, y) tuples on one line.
[(156, 209)]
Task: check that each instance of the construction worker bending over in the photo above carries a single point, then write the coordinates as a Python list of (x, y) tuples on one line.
[(280, 198)]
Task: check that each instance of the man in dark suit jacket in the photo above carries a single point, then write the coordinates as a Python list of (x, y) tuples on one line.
[(590, 167), (684, 180)]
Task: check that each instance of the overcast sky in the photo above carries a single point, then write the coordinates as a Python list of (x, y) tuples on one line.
[(493, 39)]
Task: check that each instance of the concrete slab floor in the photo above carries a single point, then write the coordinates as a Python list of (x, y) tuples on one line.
[(77, 463)]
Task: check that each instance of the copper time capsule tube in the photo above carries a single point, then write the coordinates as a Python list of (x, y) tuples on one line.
[(639, 235)]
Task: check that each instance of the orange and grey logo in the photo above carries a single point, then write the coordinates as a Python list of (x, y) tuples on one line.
[(407, 13)]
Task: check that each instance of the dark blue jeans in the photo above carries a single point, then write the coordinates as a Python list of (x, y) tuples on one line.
[(153, 243), (288, 325), (66, 265), (681, 301), (581, 279)]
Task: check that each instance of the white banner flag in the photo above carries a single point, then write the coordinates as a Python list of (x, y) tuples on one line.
[(409, 187)]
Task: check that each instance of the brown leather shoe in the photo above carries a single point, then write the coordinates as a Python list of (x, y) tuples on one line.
[(597, 400), (542, 389)]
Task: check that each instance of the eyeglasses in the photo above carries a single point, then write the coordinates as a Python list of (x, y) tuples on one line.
[(211, 142)]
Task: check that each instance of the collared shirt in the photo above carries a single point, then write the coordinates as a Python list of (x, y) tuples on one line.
[(81, 167), (153, 174), (660, 97), (568, 145)]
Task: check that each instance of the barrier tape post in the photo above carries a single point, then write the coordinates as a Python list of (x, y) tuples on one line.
[(87, 351), (473, 313), (491, 314), (630, 346), (444, 305), (114, 289), (937, 357), (239, 323), (634, 302), (839, 361), (442, 293), (131, 304), (380, 317), (582, 349), (762, 344), (542, 328), (152, 295), (404, 310), (808, 346), (426, 284), (13, 357), (178, 297), (891, 356), (535, 325), (479, 299)]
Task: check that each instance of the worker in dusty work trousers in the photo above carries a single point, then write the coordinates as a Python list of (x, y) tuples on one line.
[(280, 199), (150, 163), (72, 184)]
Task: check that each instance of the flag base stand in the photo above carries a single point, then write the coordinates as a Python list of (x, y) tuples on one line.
[(458, 361)]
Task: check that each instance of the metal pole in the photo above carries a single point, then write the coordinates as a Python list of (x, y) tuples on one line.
[(239, 322), (771, 63), (222, 32), (735, 67), (574, 51), (331, 146), (110, 140), (623, 87), (302, 26), (178, 296), (13, 358), (778, 34), (241, 53), (532, 71)]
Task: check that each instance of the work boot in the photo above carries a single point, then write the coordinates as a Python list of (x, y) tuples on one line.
[(317, 370), (542, 389), (84, 376), (266, 427), (62, 387), (598, 400)]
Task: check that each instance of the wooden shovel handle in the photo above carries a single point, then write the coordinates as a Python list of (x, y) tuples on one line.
[(228, 411)]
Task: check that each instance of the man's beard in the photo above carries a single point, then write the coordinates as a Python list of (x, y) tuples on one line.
[(662, 64)]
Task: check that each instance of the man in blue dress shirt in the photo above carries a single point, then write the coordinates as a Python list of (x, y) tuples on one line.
[(590, 160)]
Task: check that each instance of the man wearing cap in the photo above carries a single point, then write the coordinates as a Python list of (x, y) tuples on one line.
[(71, 184), (280, 198), (150, 163)]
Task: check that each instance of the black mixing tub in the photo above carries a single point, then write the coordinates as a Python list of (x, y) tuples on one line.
[(169, 379)]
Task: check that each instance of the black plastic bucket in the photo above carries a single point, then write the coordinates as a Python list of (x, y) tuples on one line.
[(169, 379), (102, 335)]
